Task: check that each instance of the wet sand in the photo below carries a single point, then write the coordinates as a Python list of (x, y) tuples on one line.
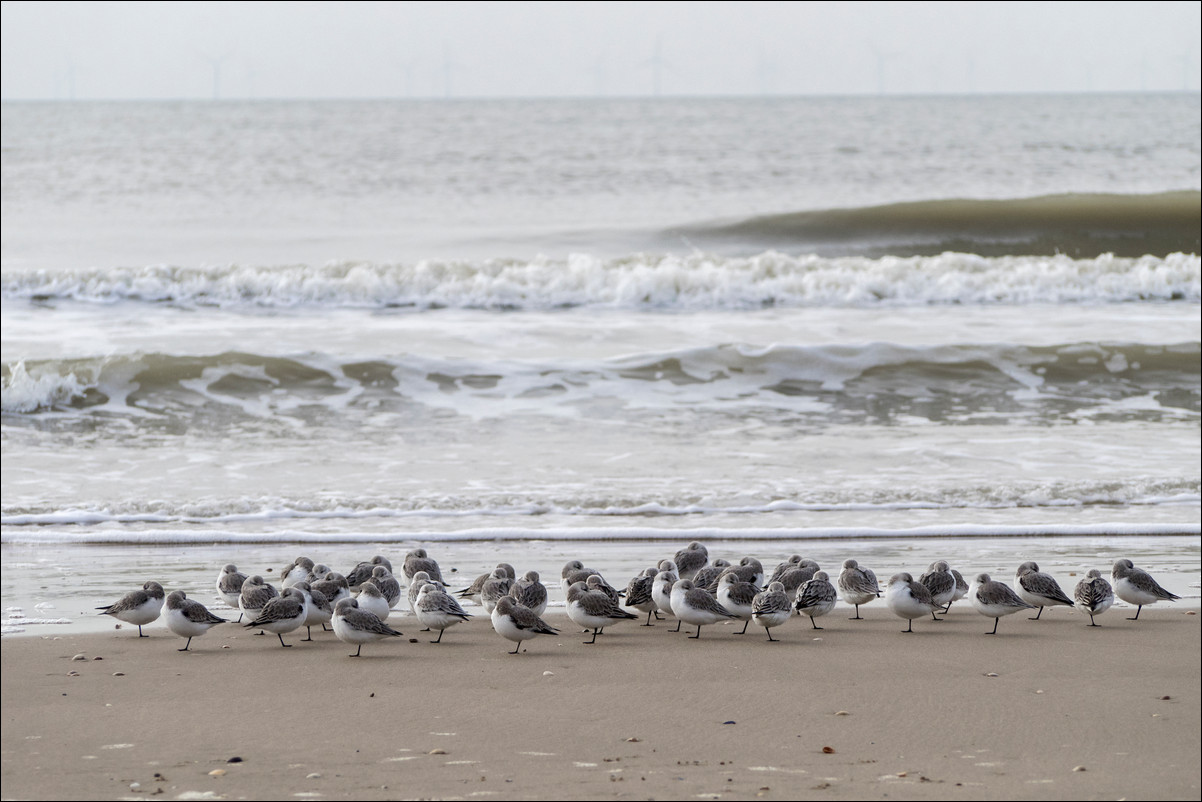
[(855, 710)]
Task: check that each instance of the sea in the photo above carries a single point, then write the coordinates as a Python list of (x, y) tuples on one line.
[(892, 328)]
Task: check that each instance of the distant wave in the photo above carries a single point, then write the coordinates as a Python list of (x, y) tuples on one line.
[(663, 282), (955, 382), (1077, 225)]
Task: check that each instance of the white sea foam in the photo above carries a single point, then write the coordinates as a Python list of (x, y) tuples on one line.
[(691, 281)]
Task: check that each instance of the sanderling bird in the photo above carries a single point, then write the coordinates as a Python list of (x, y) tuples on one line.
[(495, 587), (472, 591), (908, 599), (816, 598), (352, 625), (940, 581), (690, 560), (792, 562), (695, 606), (749, 569), (573, 572), (1093, 595), (771, 608), (387, 584), (317, 608), (1137, 587), (418, 560), (796, 576), (296, 571), (661, 590), (334, 586), (254, 596), (528, 591), (188, 619), (437, 609), (371, 600), (229, 586), (638, 594), (517, 623), (738, 597), (362, 572), (1038, 589), (995, 599), (420, 580), (858, 586), (282, 614), (708, 576), (961, 589), (138, 607), (594, 609)]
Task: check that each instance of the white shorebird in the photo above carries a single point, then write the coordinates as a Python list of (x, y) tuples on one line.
[(661, 589), (529, 591), (138, 607), (793, 578), (352, 625), (908, 599), (472, 591), (334, 586), (494, 588), (708, 576), (816, 598), (318, 609), (188, 619), (573, 572), (1137, 587), (738, 597), (1038, 589), (419, 581), (282, 615), (298, 570), (593, 609), (254, 596), (749, 569), (792, 562), (995, 599), (229, 586), (690, 560), (1093, 595), (858, 586), (696, 607), (517, 623), (940, 581), (771, 608), (418, 560), (362, 572), (371, 600), (638, 594), (437, 609), (387, 584)]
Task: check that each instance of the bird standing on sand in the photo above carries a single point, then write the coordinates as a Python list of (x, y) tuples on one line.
[(939, 581), (254, 596), (352, 625), (1093, 595), (138, 607), (229, 586), (418, 560), (530, 592), (908, 599), (638, 594), (696, 607), (690, 560), (189, 619), (593, 609), (1038, 589), (858, 586), (771, 608), (437, 609), (738, 597), (816, 597), (1137, 587), (282, 614), (995, 599), (517, 623)]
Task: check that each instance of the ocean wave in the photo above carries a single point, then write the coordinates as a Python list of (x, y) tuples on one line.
[(954, 382), (651, 282), (1140, 492), (1079, 225), (588, 534)]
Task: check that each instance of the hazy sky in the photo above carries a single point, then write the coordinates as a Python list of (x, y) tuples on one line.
[(127, 50)]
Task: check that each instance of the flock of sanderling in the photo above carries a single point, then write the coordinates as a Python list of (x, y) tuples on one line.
[(690, 587)]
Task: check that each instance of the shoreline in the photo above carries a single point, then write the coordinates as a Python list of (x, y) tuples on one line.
[(644, 713)]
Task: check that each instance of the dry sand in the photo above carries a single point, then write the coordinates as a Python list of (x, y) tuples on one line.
[(1072, 713)]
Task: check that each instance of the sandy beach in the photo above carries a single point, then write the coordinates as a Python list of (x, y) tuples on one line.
[(1045, 710)]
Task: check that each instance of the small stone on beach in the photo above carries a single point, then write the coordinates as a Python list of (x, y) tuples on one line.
[(1078, 768), (217, 773), (80, 657), (828, 750), (842, 713)]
